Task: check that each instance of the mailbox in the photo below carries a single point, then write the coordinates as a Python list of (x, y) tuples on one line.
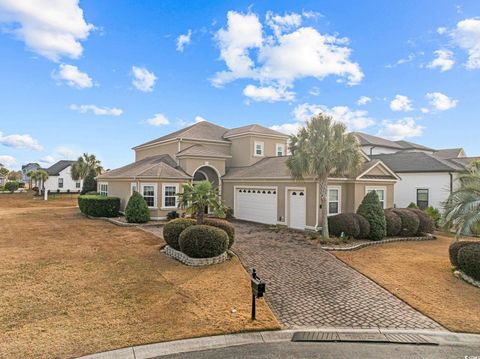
[(258, 287)]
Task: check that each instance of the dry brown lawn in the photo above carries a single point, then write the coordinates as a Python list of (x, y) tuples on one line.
[(71, 286), (420, 273)]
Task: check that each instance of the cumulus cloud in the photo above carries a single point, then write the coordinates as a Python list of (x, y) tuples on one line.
[(51, 28), (401, 103), (183, 40), (401, 129), (443, 60), (98, 111), (7, 160), (20, 141), (363, 100), (268, 93), (73, 77), (143, 79), (279, 24), (48, 160), (66, 152), (159, 119), (288, 128), (402, 61), (467, 36), (440, 101)]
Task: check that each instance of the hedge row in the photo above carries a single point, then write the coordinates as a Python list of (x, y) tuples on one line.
[(465, 255), (99, 206)]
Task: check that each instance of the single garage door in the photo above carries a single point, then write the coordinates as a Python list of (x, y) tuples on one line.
[(297, 209), (256, 205)]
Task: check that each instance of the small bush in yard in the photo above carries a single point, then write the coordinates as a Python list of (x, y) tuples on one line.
[(426, 222), (137, 209), (394, 223), (434, 213), (172, 215), (11, 186), (173, 229), (410, 222), (455, 248), (203, 241), (99, 206), (469, 260), (89, 183), (363, 225), (412, 205), (345, 223), (372, 210), (222, 224)]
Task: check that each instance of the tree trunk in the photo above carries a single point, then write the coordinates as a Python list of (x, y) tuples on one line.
[(200, 215), (323, 186)]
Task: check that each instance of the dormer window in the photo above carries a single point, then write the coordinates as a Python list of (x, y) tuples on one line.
[(258, 148), (280, 149)]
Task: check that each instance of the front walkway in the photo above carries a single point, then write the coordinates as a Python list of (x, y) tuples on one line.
[(308, 287)]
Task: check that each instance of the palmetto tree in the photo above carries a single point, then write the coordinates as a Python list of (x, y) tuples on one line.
[(38, 176), (196, 197), (320, 149), (84, 165), (462, 208)]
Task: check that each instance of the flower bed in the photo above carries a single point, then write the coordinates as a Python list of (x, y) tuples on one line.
[(363, 244), (194, 262)]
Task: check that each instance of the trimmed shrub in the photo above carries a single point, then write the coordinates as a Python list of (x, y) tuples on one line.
[(454, 249), (173, 229), (372, 210), (363, 225), (434, 213), (426, 222), (172, 215), (94, 193), (11, 186), (394, 223), (228, 227), (203, 241), (412, 205), (469, 260), (99, 206), (89, 183), (137, 209), (345, 223), (228, 213), (410, 221), (475, 229)]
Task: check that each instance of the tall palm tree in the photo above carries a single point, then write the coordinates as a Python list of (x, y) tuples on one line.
[(320, 149), (84, 165), (462, 208), (38, 176), (195, 198)]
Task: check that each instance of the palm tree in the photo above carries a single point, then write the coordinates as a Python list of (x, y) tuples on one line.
[(195, 198), (38, 176), (462, 208), (320, 149), (84, 165)]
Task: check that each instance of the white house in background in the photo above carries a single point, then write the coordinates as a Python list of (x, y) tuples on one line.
[(60, 178)]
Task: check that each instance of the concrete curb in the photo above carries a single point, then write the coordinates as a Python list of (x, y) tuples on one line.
[(376, 243), (224, 341)]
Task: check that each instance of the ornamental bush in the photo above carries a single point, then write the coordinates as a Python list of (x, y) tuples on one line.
[(455, 248), (99, 206), (173, 229), (434, 213), (372, 210), (394, 223), (203, 241), (137, 209), (11, 186), (89, 183), (410, 222), (363, 225), (469, 260), (412, 205), (426, 225), (345, 223), (222, 224)]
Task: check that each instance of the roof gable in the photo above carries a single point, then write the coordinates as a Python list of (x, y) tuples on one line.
[(253, 129), (416, 162), (55, 169), (369, 140)]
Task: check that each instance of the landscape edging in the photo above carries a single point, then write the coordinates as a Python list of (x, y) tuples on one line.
[(194, 262), (383, 241), (460, 274)]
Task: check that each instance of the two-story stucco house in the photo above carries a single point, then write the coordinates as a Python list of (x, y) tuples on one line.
[(248, 165)]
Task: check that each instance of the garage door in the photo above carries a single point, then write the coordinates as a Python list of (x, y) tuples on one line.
[(256, 205), (297, 210)]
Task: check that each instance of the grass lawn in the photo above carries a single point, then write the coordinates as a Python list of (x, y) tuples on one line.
[(71, 286), (420, 274)]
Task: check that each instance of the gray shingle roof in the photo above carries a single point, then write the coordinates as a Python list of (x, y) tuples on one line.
[(450, 153), (56, 168), (369, 140), (407, 145), (200, 150), (253, 129), (417, 162)]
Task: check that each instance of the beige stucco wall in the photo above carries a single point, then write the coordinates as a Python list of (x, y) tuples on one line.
[(243, 149), (170, 148), (361, 187), (218, 147), (190, 165)]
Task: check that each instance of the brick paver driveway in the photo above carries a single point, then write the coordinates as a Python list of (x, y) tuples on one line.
[(307, 286)]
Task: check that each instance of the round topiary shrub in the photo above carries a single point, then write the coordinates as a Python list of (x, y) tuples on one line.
[(203, 241), (222, 224), (394, 223), (172, 230), (453, 251), (345, 223), (363, 225), (372, 210), (410, 222), (427, 225), (99, 206), (469, 260), (11, 186), (137, 209)]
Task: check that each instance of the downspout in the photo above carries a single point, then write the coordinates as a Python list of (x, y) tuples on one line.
[(451, 182), (317, 206)]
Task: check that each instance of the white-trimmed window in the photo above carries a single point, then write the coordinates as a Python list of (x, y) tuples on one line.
[(170, 191), (280, 149), (133, 187), (258, 148), (60, 183), (334, 200), (381, 193), (78, 184), (103, 189), (422, 198), (148, 192)]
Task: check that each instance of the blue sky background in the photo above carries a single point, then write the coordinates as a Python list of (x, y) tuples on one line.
[(393, 43)]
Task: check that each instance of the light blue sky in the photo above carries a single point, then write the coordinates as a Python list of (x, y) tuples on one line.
[(102, 77)]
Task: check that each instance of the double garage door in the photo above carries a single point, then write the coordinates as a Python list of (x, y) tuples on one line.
[(256, 204)]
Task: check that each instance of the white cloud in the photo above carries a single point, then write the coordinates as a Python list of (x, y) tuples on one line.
[(401, 103), (402, 61), (48, 160), (444, 60), (442, 30), (73, 76), (51, 28), (159, 119), (268, 93), (7, 160), (401, 129), (288, 128), (467, 36), (66, 152), (424, 110), (363, 100), (20, 141), (440, 101), (199, 119), (279, 24), (314, 91), (183, 40), (98, 111), (144, 80), (353, 119)]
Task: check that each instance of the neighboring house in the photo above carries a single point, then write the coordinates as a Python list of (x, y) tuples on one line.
[(248, 164), (3, 180), (60, 178), (32, 166)]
